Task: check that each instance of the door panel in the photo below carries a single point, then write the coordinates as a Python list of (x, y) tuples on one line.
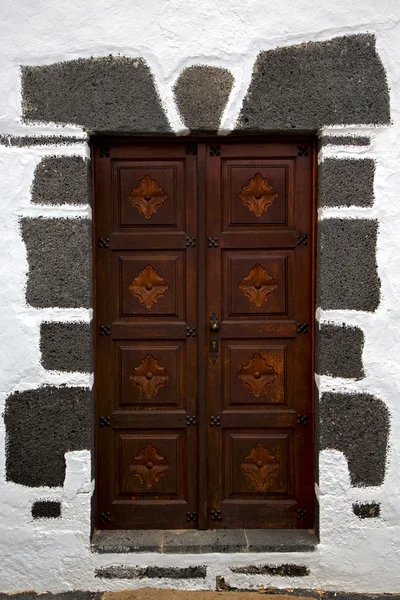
[(146, 368), (204, 327), (259, 283)]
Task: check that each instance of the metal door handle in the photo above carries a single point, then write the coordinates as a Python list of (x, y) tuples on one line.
[(214, 337)]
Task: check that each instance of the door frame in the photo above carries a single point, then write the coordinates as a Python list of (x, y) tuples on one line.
[(303, 139)]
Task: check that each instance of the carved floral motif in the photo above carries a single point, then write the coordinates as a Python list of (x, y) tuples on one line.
[(148, 286), (257, 374), (147, 197), (261, 467), (149, 376), (149, 466), (258, 285), (258, 195)]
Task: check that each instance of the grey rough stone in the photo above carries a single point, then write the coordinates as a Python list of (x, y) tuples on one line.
[(62, 180), (22, 141), (112, 94), (346, 182), (303, 87), (357, 425), (347, 269), (345, 140), (286, 570), (46, 509), (128, 572), (339, 351), (367, 510), (66, 346), (201, 94), (196, 542), (41, 426), (280, 540), (59, 258), (123, 541)]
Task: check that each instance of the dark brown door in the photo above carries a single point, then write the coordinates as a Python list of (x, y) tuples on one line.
[(204, 328)]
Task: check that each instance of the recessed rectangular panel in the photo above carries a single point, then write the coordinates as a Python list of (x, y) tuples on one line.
[(257, 193), (150, 464), (256, 464), (150, 374), (256, 372), (257, 283), (151, 194), (151, 284)]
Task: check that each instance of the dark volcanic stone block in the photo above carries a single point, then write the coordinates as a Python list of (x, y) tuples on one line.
[(287, 570), (201, 94), (345, 140), (357, 425), (347, 270), (101, 94), (339, 351), (59, 258), (22, 141), (46, 509), (41, 426), (127, 572), (66, 346), (367, 510), (62, 180), (346, 182), (303, 87)]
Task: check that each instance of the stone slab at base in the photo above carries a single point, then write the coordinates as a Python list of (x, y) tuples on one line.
[(187, 541), (154, 594)]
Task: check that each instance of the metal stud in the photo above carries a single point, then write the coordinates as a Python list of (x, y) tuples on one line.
[(302, 239), (191, 516), (104, 152), (105, 517), (215, 421), (302, 514), (104, 421), (302, 419), (105, 330), (190, 331), (103, 242), (302, 327), (215, 150), (191, 419), (191, 148), (212, 242), (302, 150), (215, 515), (191, 241)]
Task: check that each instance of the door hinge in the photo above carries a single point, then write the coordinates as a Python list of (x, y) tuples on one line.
[(103, 242), (302, 327), (105, 421), (302, 419), (190, 331), (191, 516), (191, 148), (302, 514), (105, 517), (105, 330), (190, 419), (215, 515), (302, 150), (215, 150), (215, 421), (190, 241), (212, 242), (301, 239)]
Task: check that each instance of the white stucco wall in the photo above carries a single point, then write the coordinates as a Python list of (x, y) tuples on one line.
[(54, 555)]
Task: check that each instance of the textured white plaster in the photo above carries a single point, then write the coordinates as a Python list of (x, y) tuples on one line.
[(54, 555)]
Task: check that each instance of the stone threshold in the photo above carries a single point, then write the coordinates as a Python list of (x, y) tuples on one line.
[(194, 541)]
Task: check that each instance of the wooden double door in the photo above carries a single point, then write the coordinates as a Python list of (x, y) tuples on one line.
[(204, 310)]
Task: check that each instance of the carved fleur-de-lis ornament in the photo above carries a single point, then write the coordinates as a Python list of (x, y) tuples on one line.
[(147, 197), (149, 376), (261, 467), (257, 374), (149, 466), (258, 285), (148, 287), (258, 195)]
